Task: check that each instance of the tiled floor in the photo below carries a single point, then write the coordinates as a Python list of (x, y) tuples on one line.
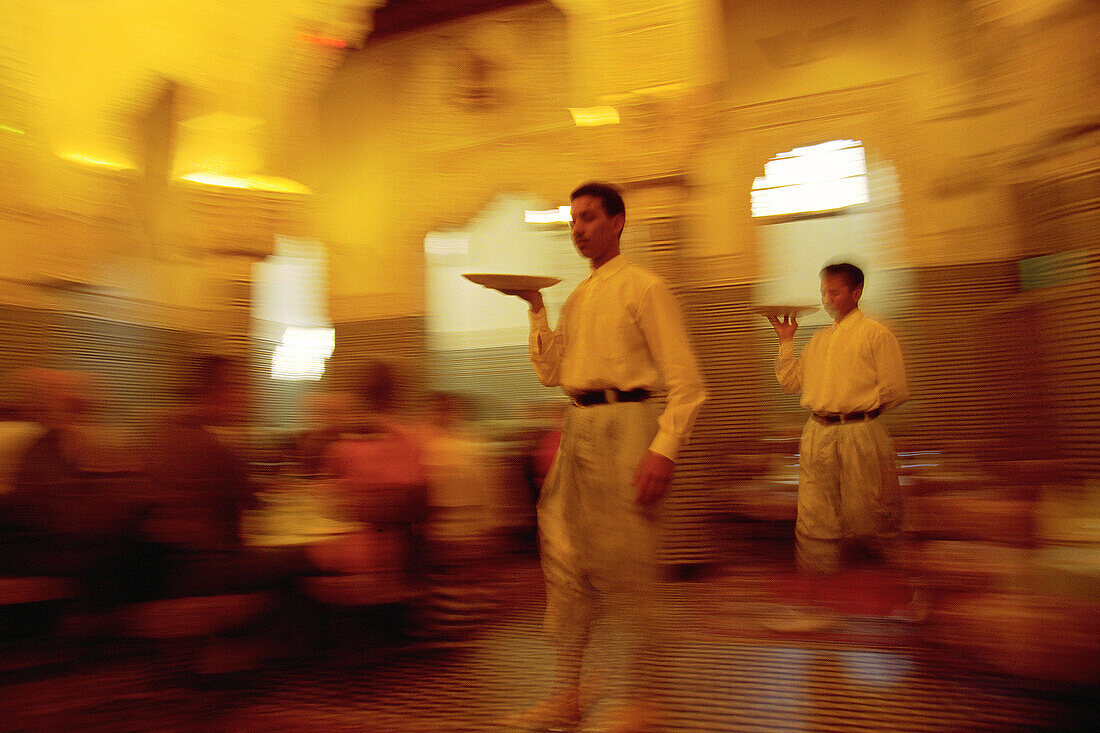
[(720, 672)]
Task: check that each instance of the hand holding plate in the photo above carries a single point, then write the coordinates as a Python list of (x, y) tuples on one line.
[(786, 327), (533, 297), (784, 318)]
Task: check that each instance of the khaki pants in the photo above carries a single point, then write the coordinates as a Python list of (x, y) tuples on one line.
[(598, 547), (847, 489)]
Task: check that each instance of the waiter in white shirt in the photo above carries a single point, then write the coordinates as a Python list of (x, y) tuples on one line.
[(620, 342), (849, 374)]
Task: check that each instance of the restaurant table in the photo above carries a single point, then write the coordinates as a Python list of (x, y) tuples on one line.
[(296, 511)]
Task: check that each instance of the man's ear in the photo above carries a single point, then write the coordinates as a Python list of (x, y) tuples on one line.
[(619, 221), (857, 293)]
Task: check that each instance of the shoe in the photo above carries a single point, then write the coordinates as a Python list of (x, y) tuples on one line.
[(559, 712), (919, 609), (801, 621), (637, 717), (592, 687)]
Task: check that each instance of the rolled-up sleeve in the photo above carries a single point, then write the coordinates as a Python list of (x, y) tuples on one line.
[(662, 325), (547, 348), (788, 368), (890, 371)]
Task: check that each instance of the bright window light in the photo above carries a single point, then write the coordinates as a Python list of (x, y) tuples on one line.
[(447, 243), (825, 177), (290, 308), (562, 213), (302, 353)]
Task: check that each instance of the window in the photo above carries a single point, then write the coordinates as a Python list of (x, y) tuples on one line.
[(289, 309), (814, 179)]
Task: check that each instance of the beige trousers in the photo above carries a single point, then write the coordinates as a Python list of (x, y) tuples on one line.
[(847, 489), (598, 547)]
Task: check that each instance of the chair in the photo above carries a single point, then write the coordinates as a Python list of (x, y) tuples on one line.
[(194, 630)]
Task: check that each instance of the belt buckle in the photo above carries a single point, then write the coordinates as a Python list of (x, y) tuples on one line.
[(611, 396)]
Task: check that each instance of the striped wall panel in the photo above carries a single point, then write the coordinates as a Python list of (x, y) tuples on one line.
[(142, 369), (1071, 333), (139, 368), (500, 381), (24, 333), (1061, 215), (399, 341), (966, 378), (726, 346)]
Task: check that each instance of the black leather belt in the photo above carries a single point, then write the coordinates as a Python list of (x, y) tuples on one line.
[(831, 418), (609, 396)]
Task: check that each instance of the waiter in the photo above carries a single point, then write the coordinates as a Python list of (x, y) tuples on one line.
[(849, 374), (620, 342)]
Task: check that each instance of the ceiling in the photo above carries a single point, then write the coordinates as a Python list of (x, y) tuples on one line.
[(399, 16), (74, 74)]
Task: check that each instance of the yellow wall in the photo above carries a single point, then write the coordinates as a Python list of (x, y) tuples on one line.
[(944, 91), (420, 130)]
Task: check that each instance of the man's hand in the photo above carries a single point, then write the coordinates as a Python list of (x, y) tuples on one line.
[(533, 297), (653, 477), (784, 328)]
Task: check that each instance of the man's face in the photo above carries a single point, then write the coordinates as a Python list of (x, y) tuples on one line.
[(838, 297), (595, 234)]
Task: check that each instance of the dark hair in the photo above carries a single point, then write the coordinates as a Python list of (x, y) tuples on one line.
[(378, 386), (210, 372), (848, 271), (608, 195), (452, 402)]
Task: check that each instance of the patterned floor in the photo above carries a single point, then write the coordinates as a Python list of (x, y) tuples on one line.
[(720, 672)]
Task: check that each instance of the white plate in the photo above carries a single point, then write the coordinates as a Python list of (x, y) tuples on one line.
[(780, 311), (511, 282)]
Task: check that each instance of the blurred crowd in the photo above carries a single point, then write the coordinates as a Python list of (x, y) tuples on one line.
[(195, 531), (363, 506)]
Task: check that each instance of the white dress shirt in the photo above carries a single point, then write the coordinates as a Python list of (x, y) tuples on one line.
[(851, 366), (621, 329)]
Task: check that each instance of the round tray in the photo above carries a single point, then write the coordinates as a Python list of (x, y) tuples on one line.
[(511, 282), (782, 311)]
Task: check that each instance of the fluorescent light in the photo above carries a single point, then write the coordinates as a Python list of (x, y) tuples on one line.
[(13, 130), (551, 216), (251, 183), (88, 160), (211, 179), (594, 116)]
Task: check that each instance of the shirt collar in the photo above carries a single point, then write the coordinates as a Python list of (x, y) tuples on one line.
[(854, 316), (609, 268)]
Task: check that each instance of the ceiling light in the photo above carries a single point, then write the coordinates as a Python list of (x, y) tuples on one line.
[(251, 183), (594, 116), (114, 165)]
